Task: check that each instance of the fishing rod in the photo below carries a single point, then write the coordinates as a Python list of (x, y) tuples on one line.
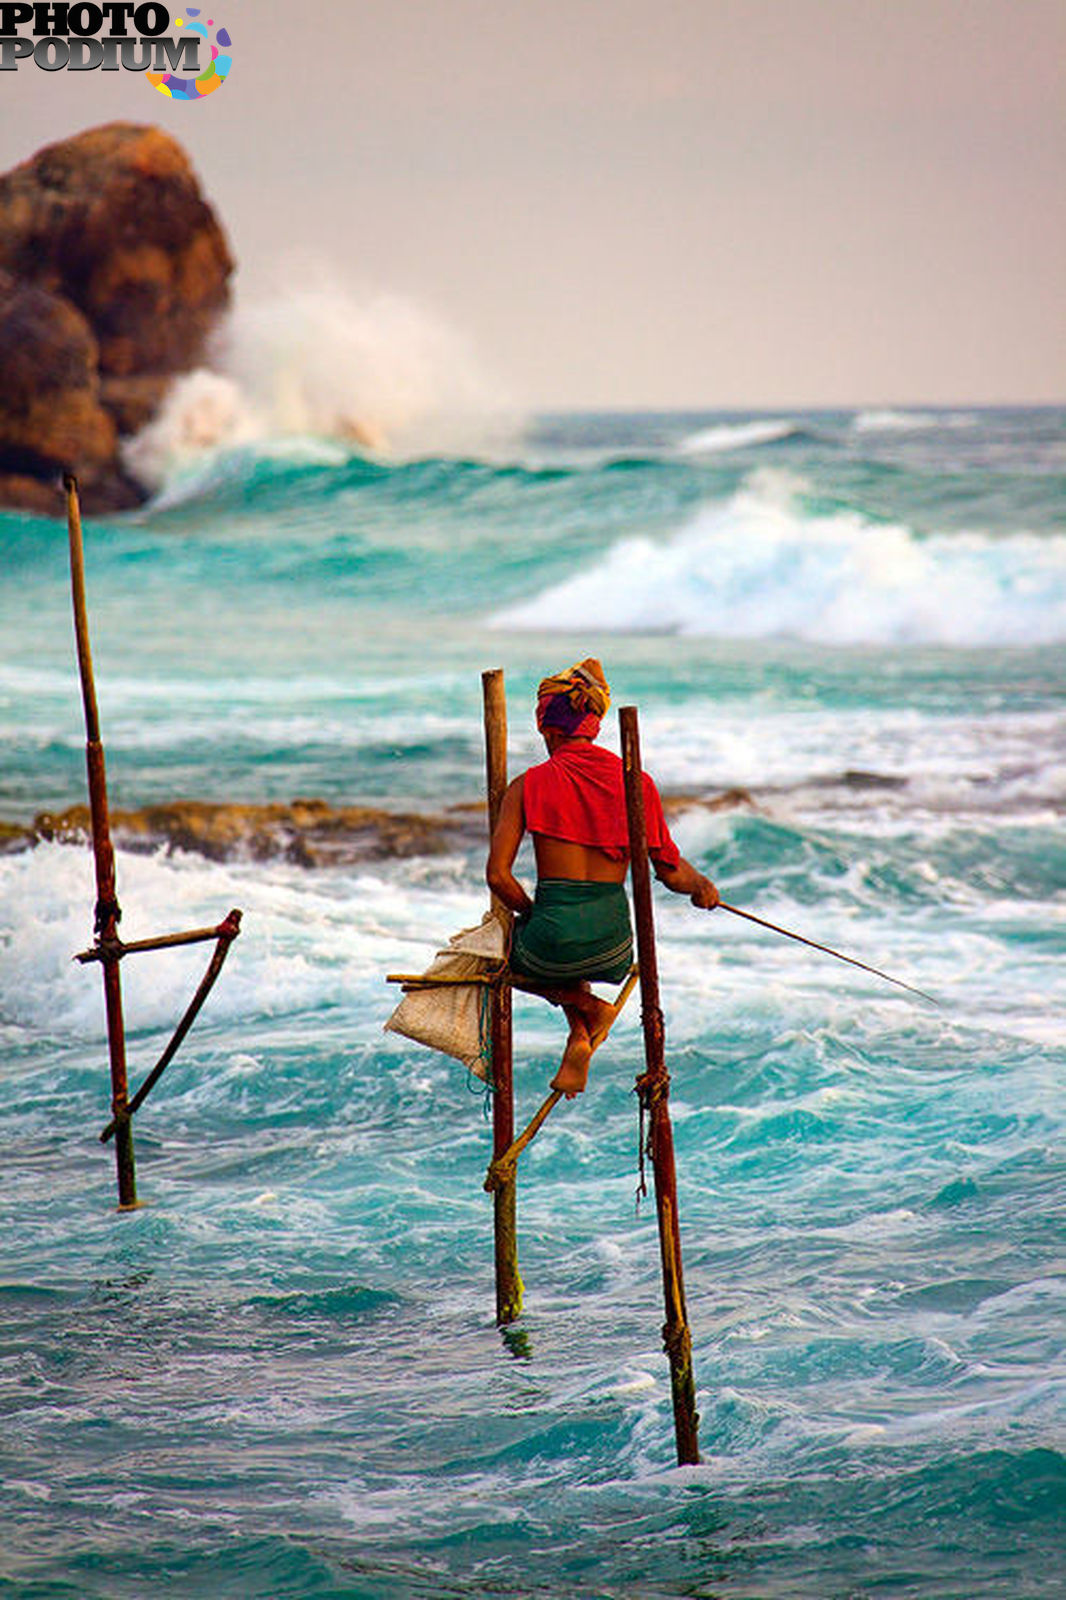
[(750, 916)]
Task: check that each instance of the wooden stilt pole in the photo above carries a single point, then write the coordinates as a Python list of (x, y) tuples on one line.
[(508, 1282), (107, 907), (653, 1086)]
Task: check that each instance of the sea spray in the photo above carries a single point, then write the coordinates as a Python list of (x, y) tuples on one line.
[(318, 360)]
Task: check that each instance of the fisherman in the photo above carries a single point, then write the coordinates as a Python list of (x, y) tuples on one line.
[(576, 930)]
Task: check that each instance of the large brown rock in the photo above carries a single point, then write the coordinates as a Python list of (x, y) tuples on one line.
[(114, 221), (50, 412), (113, 271)]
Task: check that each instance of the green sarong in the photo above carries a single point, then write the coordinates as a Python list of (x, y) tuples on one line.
[(575, 930)]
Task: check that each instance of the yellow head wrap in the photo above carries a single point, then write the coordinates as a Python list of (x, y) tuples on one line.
[(574, 701)]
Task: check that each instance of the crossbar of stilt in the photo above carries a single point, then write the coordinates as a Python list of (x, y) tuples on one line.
[(423, 980), (163, 941)]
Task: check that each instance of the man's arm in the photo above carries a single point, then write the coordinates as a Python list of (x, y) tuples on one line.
[(684, 879), (506, 837)]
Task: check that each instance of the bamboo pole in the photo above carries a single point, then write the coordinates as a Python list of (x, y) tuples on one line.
[(508, 1282), (653, 1087), (163, 941), (502, 1167), (108, 912)]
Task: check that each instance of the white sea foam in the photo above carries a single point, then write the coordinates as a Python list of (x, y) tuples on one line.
[(318, 361), (761, 565), (895, 421), (307, 940), (993, 765), (726, 436)]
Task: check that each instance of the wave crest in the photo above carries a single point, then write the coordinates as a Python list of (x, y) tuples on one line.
[(891, 421), (764, 565), (726, 436)]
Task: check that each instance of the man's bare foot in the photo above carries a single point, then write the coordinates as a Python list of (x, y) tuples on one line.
[(600, 1016), (573, 1073)]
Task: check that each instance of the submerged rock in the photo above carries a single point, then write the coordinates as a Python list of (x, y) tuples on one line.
[(113, 271)]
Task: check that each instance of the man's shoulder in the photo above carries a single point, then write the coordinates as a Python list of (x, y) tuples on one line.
[(576, 759)]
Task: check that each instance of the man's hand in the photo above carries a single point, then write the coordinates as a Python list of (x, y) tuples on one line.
[(684, 879), (705, 895)]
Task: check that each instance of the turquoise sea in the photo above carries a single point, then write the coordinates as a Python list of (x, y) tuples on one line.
[(281, 1377)]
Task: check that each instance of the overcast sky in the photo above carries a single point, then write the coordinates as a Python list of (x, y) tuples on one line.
[(720, 203)]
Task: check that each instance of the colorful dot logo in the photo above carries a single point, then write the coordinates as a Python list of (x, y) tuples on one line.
[(211, 77)]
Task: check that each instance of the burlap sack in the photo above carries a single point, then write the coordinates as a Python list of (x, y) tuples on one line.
[(455, 1018)]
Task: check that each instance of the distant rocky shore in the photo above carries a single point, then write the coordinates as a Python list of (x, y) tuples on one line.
[(309, 833), (113, 271)]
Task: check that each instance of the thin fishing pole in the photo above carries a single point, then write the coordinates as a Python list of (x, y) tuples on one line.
[(826, 950)]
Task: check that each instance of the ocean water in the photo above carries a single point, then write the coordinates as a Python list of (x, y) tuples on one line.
[(281, 1377)]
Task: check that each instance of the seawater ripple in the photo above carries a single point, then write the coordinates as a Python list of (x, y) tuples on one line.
[(344, 1392)]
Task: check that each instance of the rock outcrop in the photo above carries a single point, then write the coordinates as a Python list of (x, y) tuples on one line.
[(309, 833), (50, 410), (113, 271)]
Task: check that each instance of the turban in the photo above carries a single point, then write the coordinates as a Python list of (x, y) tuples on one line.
[(574, 701)]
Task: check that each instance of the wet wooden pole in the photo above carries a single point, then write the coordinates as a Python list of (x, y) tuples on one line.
[(108, 912), (508, 1282), (653, 1087)]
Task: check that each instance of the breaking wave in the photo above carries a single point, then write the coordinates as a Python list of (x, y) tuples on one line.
[(726, 436), (893, 421), (764, 564), (318, 367)]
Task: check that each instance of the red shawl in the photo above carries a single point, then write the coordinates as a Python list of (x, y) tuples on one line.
[(578, 794)]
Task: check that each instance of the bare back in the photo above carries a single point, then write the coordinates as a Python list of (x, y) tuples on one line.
[(561, 858)]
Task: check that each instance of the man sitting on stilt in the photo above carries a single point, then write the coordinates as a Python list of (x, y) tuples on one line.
[(576, 930)]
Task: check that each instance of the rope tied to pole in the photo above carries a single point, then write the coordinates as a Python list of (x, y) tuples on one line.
[(650, 1089), (677, 1341), (108, 911), (484, 1033), (642, 1180)]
